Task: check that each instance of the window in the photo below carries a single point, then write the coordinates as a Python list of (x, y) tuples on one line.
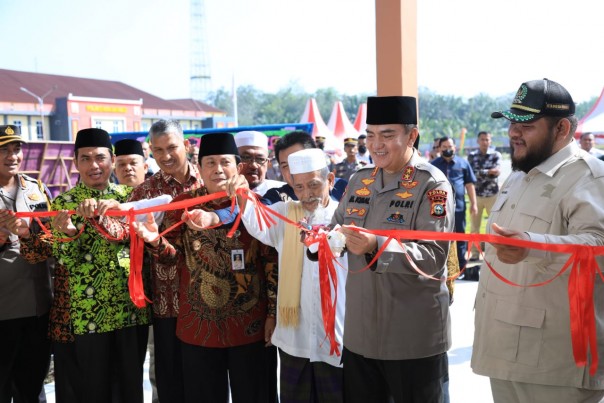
[(17, 123), (40, 129)]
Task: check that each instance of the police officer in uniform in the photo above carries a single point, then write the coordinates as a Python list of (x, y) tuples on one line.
[(351, 163), (397, 326), (25, 291)]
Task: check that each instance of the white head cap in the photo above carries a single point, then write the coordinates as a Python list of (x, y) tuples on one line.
[(308, 160), (251, 138)]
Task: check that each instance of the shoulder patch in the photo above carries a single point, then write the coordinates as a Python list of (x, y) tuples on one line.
[(438, 202)]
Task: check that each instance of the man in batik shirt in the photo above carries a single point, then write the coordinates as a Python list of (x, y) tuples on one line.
[(99, 336), (176, 176), (223, 311)]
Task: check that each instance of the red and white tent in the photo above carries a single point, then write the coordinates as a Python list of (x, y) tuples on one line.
[(359, 121), (593, 121), (340, 125), (312, 115)]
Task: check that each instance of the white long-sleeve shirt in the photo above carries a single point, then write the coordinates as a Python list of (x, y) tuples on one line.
[(308, 339)]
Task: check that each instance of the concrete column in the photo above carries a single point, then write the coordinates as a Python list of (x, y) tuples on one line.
[(396, 47)]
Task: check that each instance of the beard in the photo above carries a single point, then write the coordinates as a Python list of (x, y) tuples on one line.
[(534, 156), (317, 216)]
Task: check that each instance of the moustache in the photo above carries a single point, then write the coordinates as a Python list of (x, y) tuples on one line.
[(312, 200)]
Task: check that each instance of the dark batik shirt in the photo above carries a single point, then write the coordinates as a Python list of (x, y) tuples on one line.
[(165, 277), (220, 306)]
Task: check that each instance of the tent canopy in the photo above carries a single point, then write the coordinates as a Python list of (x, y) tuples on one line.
[(361, 119), (312, 115), (593, 121), (339, 123)]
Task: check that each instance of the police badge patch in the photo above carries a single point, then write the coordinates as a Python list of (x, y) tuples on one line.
[(367, 181), (362, 192), (396, 218), (438, 202), (352, 210), (409, 185), (404, 195)]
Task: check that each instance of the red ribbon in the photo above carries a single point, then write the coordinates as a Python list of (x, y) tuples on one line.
[(137, 246), (135, 279), (328, 278), (581, 281), (583, 319)]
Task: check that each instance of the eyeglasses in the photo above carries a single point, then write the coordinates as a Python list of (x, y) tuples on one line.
[(258, 160)]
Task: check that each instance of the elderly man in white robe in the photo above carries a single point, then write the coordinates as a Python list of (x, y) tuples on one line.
[(310, 370)]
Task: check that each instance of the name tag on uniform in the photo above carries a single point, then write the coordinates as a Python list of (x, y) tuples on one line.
[(237, 259)]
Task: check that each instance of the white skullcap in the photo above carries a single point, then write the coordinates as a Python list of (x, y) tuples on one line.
[(251, 138), (308, 160)]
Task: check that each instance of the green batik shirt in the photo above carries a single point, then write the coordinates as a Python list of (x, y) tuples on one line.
[(97, 269)]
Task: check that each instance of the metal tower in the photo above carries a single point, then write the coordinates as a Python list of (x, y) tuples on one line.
[(200, 59)]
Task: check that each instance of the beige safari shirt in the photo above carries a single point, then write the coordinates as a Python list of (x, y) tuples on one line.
[(523, 334)]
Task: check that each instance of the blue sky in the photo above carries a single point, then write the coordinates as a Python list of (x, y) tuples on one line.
[(464, 46)]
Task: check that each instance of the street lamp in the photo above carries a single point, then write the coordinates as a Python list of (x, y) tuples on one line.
[(41, 101)]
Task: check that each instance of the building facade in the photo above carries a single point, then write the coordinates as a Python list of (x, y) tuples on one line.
[(53, 107)]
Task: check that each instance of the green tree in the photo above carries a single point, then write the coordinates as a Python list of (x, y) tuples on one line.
[(286, 106), (440, 115), (583, 108)]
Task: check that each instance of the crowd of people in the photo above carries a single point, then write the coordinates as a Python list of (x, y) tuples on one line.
[(246, 309)]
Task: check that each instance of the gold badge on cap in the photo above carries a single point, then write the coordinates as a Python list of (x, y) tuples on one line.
[(9, 130), (33, 196)]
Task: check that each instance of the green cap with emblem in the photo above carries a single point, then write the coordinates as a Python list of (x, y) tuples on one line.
[(536, 99), (9, 134)]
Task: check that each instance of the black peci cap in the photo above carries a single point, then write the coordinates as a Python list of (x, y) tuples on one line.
[(128, 147), (93, 138), (217, 144), (392, 110)]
